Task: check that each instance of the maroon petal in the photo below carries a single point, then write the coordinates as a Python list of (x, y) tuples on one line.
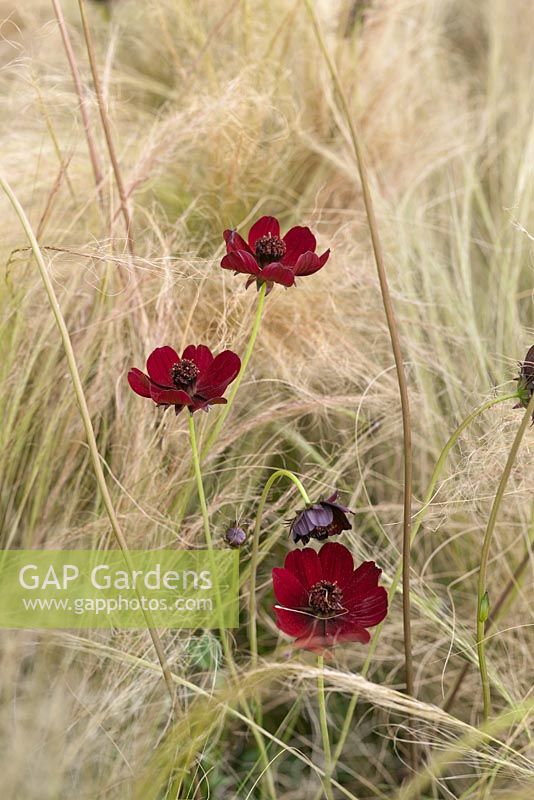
[(159, 365), (204, 402), (336, 562), (277, 273), (201, 356), (139, 382), (362, 582), (234, 241), (170, 397), (294, 623), (369, 611), (305, 565), (298, 240), (318, 516), (288, 590), (265, 226), (222, 371), (308, 263), (346, 629), (241, 261)]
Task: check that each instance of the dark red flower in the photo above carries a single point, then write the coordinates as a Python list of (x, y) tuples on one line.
[(525, 380), (320, 520), (322, 600), (196, 380), (267, 258)]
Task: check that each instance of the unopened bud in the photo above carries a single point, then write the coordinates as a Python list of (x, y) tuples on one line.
[(235, 537), (483, 610)]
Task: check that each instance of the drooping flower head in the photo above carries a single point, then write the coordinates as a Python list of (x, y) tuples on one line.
[(320, 520), (268, 258), (322, 600), (525, 380), (196, 380)]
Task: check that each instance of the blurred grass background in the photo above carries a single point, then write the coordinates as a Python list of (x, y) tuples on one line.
[(221, 112)]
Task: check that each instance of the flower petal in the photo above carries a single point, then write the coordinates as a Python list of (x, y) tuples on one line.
[(305, 565), (234, 241), (336, 562), (294, 623), (308, 263), (362, 582), (170, 397), (298, 240), (276, 272), (241, 261), (369, 611), (201, 356), (346, 629), (319, 515), (159, 365), (221, 372), (263, 227), (139, 382), (288, 590)]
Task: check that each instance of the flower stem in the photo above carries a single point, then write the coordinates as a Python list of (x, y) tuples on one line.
[(324, 730), (208, 537), (427, 501), (224, 638), (213, 436), (511, 588), (395, 346), (88, 426), (281, 473), (482, 575)]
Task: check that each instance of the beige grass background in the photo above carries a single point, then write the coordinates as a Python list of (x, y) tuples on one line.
[(223, 111)]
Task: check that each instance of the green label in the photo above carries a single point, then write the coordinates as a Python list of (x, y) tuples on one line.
[(98, 589)]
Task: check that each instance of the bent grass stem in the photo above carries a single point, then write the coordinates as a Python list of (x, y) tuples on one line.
[(88, 426), (281, 473), (483, 570)]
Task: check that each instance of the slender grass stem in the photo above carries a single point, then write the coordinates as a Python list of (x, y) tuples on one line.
[(483, 570), (88, 426), (252, 632), (395, 346), (213, 436), (224, 638), (324, 730), (106, 125), (71, 58), (427, 501)]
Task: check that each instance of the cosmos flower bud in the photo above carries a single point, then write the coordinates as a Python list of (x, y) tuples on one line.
[(236, 537), (525, 380)]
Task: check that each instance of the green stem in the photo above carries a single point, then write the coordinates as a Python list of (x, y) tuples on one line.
[(88, 426), (395, 347), (208, 538), (214, 435), (218, 600), (281, 473), (324, 730), (482, 575), (427, 501)]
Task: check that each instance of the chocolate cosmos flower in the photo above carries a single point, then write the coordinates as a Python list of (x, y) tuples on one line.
[(525, 380), (267, 258), (322, 600), (196, 380), (320, 521)]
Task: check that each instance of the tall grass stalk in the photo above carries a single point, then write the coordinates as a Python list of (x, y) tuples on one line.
[(88, 426), (395, 345)]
